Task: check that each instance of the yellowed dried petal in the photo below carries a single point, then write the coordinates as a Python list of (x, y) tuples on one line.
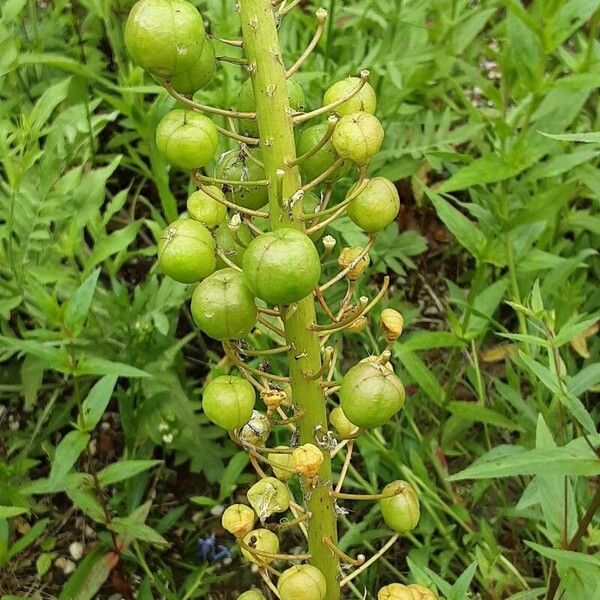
[(348, 256), (499, 352), (392, 324), (307, 460), (272, 398), (579, 342), (357, 325)]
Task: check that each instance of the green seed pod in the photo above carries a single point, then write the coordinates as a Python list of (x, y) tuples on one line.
[(201, 207), (252, 595), (165, 37), (402, 511), (245, 103), (229, 246), (358, 137), (302, 582), (187, 139), (365, 100), (238, 166), (268, 496), (398, 591), (228, 401), (324, 158), (238, 519), (376, 206), (282, 266), (371, 394), (282, 464), (186, 251), (261, 540), (199, 74), (257, 430), (310, 203), (342, 425), (223, 306)]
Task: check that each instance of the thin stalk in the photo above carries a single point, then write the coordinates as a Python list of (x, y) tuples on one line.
[(321, 18), (259, 31)]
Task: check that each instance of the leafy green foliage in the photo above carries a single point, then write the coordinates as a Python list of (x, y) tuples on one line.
[(491, 117)]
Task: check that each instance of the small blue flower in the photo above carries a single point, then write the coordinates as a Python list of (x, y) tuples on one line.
[(209, 551)]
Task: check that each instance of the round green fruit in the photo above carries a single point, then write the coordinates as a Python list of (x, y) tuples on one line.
[(187, 139), (376, 206), (268, 496), (238, 519), (370, 394), (400, 512), (358, 137), (245, 103), (323, 159), (262, 541), (228, 401), (210, 212), (228, 245), (186, 251), (282, 464), (342, 425), (281, 266), (199, 74), (252, 595), (223, 306), (302, 582), (165, 37), (365, 100), (310, 204), (238, 166)]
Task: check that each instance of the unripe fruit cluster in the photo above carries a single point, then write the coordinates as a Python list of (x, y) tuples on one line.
[(234, 264)]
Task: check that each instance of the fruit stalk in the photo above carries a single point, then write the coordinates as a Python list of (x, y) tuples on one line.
[(278, 149)]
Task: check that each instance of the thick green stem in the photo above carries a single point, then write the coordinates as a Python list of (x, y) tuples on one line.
[(278, 148)]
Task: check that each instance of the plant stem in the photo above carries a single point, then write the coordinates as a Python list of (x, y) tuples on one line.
[(277, 144)]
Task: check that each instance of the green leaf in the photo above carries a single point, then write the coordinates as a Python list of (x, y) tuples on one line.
[(234, 469), (572, 459), (43, 563), (78, 306), (460, 589), (90, 365), (475, 412), (97, 400), (7, 512), (32, 373), (87, 502), (421, 374), (464, 230), (124, 469), (587, 378), (31, 536), (67, 453), (46, 103), (426, 340), (139, 531), (592, 137), (112, 244), (567, 557), (90, 575), (543, 373), (490, 168)]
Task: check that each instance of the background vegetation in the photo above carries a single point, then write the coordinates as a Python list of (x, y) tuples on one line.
[(490, 110)]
